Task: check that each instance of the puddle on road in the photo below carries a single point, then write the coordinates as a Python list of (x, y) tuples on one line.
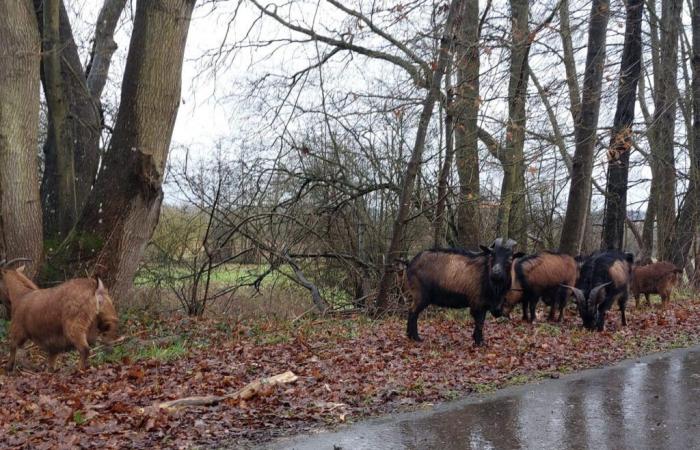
[(649, 404)]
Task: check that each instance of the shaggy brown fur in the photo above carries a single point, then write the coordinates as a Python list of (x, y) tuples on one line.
[(538, 276), (14, 284), (452, 272), (657, 278), (619, 273), (456, 278), (66, 317)]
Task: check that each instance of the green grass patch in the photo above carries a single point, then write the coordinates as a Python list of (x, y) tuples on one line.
[(79, 418), (484, 388), (549, 329), (164, 353)]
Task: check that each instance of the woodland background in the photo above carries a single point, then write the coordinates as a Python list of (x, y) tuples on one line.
[(359, 133)]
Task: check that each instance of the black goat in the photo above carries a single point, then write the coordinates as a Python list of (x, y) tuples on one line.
[(458, 279), (604, 278)]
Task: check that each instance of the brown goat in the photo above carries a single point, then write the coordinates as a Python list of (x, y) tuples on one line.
[(657, 278), (59, 319), (541, 275), (456, 278)]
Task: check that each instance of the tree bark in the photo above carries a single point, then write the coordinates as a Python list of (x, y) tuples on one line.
[(466, 125), (582, 168), (20, 205), (665, 95), (122, 210), (438, 223), (688, 216), (66, 185), (103, 47), (415, 160), (569, 61), (512, 212), (621, 138), (59, 189)]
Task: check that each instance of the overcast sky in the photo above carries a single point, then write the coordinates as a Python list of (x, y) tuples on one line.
[(209, 112)]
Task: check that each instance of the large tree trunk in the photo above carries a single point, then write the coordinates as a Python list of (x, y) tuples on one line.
[(665, 96), (20, 205), (582, 168), (439, 221), (511, 213), (415, 160), (690, 209), (122, 210), (58, 189), (73, 97), (466, 125), (621, 138)]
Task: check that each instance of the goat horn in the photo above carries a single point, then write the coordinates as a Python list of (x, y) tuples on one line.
[(578, 294), (15, 260), (497, 243), (595, 292)]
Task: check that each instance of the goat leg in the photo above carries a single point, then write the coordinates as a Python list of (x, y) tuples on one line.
[(479, 318)]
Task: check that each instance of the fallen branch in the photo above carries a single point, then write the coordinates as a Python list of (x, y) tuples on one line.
[(249, 391)]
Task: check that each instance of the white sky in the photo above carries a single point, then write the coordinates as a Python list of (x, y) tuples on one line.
[(208, 113)]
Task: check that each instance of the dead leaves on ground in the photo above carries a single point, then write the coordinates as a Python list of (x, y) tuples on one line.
[(346, 369)]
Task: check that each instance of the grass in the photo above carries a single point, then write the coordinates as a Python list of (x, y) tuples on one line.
[(4, 328)]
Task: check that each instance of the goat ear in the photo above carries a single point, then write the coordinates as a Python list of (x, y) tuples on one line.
[(100, 293), (486, 250)]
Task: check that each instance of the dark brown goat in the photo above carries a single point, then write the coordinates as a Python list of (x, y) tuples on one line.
[(68, 316), (455, 278), (541, 275), (656, 278)]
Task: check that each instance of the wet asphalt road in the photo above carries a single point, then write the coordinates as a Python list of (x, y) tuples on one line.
[(647, 403)]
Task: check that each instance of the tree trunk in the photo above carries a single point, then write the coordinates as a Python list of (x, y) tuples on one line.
[(569, 61), (20, 205), (414, 162), (59, 188), (621, 138), (511, 213), (582, 168), (665, 95), (122, 210), (438, 223), (466, 125), (688, 216), (71, 162)]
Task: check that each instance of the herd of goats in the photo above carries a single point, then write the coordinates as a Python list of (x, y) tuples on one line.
[(496, 279), (72, 315)]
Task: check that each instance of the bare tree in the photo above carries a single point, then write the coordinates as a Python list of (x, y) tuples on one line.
[(20, 206), (663, 127), (621, 136), (415, 160), (122, 210), (579, 193)]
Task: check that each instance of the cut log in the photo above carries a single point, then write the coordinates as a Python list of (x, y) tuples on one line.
[(249, 391)]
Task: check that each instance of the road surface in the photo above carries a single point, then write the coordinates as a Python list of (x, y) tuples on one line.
[(647, 403)]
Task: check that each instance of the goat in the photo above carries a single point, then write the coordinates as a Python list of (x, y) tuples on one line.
[(456, 278), (59, 319), (541, 275), (605, 277), (655, 278)]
